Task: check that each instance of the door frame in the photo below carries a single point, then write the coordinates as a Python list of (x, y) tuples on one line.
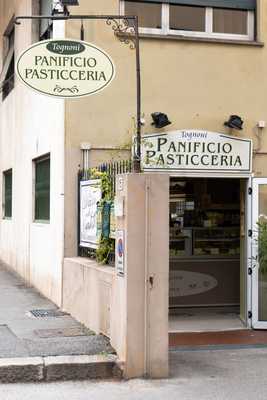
[(247, 256), (248, 251)]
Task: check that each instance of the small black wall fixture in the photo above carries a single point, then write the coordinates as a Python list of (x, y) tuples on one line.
[(126, 29), (69, 2), (234, 122), (160, 120)]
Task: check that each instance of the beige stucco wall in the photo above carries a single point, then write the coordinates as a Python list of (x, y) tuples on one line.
[(198, 84), (31, 125), (87, 291), (131, 309)]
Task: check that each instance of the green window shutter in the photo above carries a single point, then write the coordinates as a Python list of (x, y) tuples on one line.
[(42, 189), (237, 4), (8, 194)]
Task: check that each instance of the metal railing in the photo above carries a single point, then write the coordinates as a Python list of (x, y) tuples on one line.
[(112, 169)]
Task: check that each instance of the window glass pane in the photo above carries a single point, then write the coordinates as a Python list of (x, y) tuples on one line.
[(9, 80), (8, 42), (42, 190), (8, 194), (9, 64), (230, 21), (187, 18), (46, 7), (149, 14), (11, 38)]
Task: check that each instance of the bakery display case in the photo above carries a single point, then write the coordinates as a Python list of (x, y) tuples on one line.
[(202, 225), (219, 242), (203, 242)]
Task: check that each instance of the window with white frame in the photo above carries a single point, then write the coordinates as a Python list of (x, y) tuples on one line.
[(46, 26), (7, 75), (7, 194), (219, 19), (42, 189)]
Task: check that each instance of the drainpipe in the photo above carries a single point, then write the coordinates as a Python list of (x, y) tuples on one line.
[(85, 148)]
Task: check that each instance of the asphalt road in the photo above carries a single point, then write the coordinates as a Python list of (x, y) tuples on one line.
[(195, 375)]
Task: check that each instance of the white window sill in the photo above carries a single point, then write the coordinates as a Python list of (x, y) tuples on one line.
[(41, 222), (203, 39)]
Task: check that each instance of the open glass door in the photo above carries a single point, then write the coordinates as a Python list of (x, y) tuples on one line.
[(259, 272)]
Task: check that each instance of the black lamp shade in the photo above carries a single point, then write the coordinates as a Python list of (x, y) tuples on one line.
[(160, 120), (234, 122), (70, 2)]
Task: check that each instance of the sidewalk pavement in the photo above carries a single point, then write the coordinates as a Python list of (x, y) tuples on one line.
[(232, 374), (36, 340)]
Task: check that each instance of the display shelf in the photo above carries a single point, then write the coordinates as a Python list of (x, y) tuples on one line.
[(177, 240), (221, 208), (197, 258), (205, 243), (218, 240), (208, 242), (201, 228)]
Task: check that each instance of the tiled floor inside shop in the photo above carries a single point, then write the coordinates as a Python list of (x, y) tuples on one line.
[(203, 320)]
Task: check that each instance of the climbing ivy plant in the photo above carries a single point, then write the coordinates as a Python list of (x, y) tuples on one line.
[(106, 186), (262, 245), (106, 245)]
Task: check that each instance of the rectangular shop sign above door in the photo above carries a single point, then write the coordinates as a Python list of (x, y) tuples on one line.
[(65, 68), (196, 151)]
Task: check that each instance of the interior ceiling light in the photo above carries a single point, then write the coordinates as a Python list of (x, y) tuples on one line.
[(160, 120), (234, 122)]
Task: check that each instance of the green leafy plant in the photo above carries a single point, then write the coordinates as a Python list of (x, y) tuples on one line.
[(262, 245), (106, 184), (106, 187), (106, 245)]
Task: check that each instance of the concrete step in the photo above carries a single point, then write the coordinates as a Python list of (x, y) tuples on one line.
[(48, 369)]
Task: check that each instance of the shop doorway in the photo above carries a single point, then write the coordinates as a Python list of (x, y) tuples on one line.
[(207, 290)]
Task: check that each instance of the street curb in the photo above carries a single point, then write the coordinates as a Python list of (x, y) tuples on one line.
[(48, 369), (78, 367), (28, 369)]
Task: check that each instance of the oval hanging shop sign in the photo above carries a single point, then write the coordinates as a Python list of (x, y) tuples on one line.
[(65, 68)]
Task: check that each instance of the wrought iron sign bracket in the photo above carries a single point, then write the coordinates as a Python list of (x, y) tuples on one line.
[(126, 29)]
